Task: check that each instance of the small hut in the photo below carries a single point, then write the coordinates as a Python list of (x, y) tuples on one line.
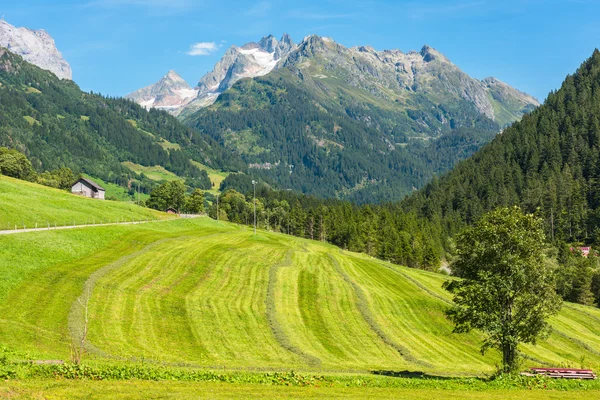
[(88, 188), (171, 210)]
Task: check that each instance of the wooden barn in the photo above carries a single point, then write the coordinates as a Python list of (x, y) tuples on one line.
[(88, 188)]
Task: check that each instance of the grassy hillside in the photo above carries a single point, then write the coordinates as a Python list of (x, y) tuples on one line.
[(208, 294), (26, 203)]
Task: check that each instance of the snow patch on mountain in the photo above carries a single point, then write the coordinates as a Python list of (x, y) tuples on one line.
[(171, 93)]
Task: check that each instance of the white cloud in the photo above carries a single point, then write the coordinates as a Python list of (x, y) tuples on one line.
[(203, 48)]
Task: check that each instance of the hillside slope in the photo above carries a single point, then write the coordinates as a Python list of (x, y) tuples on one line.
[(57, 125), (202, 293), (356, 123), (27, 204), (549, 162)]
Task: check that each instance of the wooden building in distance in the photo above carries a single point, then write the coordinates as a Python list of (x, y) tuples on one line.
[(88, 188)]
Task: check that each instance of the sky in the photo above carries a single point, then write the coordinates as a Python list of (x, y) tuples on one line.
[(117, 46)]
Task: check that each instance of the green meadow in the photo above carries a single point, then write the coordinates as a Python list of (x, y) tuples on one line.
[(207, 296), (26, 204)]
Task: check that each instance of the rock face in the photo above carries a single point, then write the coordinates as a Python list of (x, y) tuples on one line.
[(249, 61), (170, 93), (36, 47), (397, 76), (390, 75)]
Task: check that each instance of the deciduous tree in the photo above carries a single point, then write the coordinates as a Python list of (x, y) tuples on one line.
[(507, 290)]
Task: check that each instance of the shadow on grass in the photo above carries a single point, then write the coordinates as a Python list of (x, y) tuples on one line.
[(411, 374)]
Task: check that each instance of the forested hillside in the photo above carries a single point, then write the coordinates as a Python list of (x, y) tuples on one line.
[(358, 124), (57, 125), (550, 161)]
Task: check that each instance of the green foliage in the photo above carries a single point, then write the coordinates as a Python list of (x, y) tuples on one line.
[(95, 134), (15, 164), (62, 178), (507, 290), (575, 276), (340, 143), (169, 194), (194, 203)]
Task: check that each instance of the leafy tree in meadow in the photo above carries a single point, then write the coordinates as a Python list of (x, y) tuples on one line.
[(507, 290), (195, 202), (61, 178), (167, 195), (15, 164)]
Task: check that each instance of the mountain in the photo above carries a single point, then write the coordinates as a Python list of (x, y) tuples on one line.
[(57, 125), (36, 47), (169, 94), (548, 163), (248, 61), (357, 123), (392, 75)]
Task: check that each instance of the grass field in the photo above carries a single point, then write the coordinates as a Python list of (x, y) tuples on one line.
[(215, 176), (208, 294), (202, 295), (156, 173), (51, 389), (26, 204)]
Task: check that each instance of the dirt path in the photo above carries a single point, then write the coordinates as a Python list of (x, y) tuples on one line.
[(53, 228)]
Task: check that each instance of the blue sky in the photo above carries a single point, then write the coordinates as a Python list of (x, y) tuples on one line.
[(117, 46)]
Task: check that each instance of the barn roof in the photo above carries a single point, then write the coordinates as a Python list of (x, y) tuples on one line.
[(91, 183)]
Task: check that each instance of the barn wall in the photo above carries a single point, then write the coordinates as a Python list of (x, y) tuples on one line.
[(82, 189)]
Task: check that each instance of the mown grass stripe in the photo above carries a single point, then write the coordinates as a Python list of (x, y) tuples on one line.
[(276, 327), (363, 307)]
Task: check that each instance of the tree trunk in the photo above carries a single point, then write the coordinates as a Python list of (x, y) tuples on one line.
[(509, 357)]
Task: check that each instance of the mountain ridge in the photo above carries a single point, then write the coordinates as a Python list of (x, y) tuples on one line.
[(394, 69), (357, 123), (36, 47)]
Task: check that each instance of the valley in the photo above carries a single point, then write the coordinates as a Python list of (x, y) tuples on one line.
[(320, 217)]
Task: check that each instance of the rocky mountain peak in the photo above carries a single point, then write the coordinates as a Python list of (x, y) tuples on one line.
[(268, 43), (170, 93), (36, 47), (429, 54)]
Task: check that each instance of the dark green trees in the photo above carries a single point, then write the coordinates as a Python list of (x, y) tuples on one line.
[(507, 290), (15, 164), (172, 195), (194, 203), (167, 195)]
